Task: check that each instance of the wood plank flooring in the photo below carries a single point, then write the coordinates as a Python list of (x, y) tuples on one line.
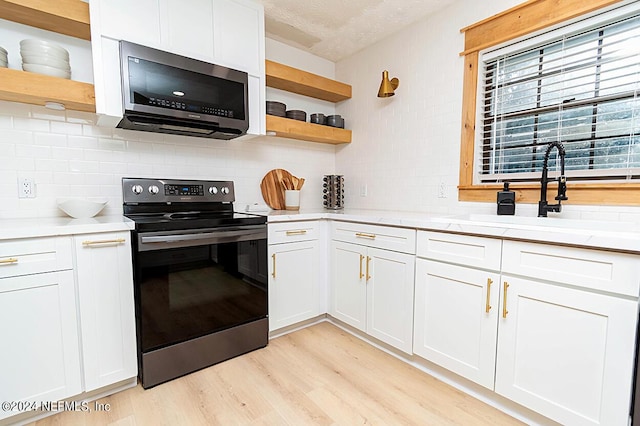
[(320, 375)]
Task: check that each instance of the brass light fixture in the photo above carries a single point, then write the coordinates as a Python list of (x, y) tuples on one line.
[(387, 86)]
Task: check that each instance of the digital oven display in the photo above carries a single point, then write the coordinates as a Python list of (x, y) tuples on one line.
[(184, 190)]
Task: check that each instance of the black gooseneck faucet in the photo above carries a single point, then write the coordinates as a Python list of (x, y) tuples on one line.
[(543, 205)]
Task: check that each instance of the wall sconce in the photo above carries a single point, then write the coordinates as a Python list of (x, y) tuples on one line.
[(387, 86)]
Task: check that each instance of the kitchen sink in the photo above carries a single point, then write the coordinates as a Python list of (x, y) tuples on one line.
[(579, 226)]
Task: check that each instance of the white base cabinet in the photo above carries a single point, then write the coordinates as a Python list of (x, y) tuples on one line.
[(107, 313), (39, 360), (372, 288), (456, 319), (67, 317), (565, 353), (551, 328), (293, 285), (294, 273), (567, 332)]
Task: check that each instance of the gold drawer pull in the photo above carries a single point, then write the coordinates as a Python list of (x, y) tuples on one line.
[(363, 235), (368, 260), (99, 242), (361, 274), (488, 306), (9, 261), (504, 301), (298, 232)]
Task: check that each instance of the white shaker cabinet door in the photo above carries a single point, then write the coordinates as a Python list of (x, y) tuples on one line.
[(239, 35), (566, 353), (456, 319), (187, 28), (294, 293), (349, 284), (40, 358), (105, 287), (390, 297), (135, 21)]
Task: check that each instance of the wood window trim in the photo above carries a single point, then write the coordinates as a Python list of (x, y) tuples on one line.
[(526, 18)]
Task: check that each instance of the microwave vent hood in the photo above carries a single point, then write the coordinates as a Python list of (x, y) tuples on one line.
[(167, 93)]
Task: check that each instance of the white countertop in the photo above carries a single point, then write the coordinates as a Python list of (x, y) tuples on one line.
[(46, 227), (618, 236)]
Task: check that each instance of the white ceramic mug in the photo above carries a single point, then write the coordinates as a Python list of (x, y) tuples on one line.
[(292, 199)]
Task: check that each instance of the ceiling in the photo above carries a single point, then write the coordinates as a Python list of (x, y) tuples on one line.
[(335, 29)]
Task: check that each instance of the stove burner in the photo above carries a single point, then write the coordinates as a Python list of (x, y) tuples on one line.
[(159, 210)]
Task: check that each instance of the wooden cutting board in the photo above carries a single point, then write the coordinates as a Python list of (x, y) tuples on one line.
[(272, 190)]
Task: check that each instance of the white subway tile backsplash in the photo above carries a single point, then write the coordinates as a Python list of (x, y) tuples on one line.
[(66, 128), (50, 139), (21, 123), (69, 156)]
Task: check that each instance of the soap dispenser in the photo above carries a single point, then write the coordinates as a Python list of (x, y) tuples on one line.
[(506, 201)]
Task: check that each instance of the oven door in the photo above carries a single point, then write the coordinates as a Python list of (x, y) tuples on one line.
[(193, 283)]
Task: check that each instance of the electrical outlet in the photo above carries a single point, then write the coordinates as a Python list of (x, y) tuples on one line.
[(26, 188), (363, 190), (442, 190)]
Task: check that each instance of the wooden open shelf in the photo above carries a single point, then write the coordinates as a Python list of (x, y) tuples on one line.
[(293, 80), (294, 129), (32, 88), (69, 17)]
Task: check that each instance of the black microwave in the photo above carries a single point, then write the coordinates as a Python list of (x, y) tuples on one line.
[(168, 93)]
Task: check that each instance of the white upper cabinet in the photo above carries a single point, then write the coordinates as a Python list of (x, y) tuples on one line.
[(187, 30), (224, 32), (136, 21), (239, 35)]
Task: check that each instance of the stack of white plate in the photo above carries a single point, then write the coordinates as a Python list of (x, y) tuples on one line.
[(44, 57), (4, 62)]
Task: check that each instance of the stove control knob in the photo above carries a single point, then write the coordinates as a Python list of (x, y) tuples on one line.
[(213, 190), (225, 190), (137, 189), (153, 190)]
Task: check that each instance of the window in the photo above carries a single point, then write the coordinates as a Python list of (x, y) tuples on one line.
[(579, 85), (530, 19)]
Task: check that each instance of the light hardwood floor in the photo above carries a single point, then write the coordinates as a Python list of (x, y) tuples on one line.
[(320, 375)]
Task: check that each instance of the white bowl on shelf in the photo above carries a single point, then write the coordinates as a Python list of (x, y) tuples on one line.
[(50, 61), (81, 208), (43, 46), (43, 69)]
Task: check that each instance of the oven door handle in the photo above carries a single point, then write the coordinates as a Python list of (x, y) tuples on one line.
[(202, 238)]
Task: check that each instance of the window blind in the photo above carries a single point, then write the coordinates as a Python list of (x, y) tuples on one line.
[(581, 89)]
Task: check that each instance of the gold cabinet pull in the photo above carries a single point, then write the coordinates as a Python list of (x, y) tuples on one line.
[(273, 258), (99, 242), (361, 274), (368, 276), (363, 235), (297, 232), (504, 300), (9, 261), (488, 306)]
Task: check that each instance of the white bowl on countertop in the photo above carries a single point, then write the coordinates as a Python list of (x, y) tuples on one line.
[(81, 208), (43, 69)]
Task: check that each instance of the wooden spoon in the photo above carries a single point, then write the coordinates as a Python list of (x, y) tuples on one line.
[(299, 184)]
